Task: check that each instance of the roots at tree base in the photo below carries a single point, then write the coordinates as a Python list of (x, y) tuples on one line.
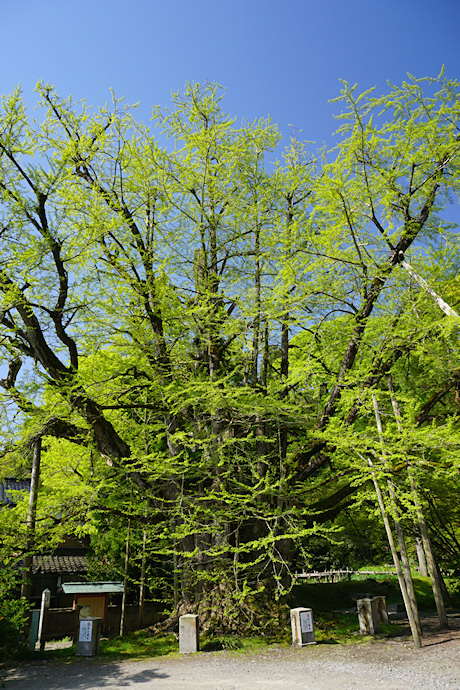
[(221, 612)]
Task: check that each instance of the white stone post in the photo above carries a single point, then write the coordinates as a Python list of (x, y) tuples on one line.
[(302, 627), (188, 634), (89, 636), (46, 598)]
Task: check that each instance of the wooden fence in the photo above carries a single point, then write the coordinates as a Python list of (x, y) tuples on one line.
[(338, 575), (64, 622)]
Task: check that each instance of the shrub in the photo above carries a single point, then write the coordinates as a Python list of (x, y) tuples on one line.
[(12, 615)]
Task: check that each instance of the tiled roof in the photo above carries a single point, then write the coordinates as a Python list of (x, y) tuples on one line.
[(60, 564), (8, 485)]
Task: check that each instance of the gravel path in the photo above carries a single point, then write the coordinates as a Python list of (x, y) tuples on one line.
[(389, 664)]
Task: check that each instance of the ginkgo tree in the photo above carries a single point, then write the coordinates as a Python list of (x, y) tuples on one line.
[(205, 326)]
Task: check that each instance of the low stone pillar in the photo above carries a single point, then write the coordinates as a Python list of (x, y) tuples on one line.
[(303, 632), (46, 598), (188, 634), (368, 616), (89, 636), (382, 610)]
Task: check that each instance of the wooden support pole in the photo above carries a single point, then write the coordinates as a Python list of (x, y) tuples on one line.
[(394, 553), (125, 580), (26, 584), (431, 562), (142, 583), (446, 308), (422, 567), (398, 528)]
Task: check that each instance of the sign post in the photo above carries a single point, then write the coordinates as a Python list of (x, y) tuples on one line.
[(189, 641), (46, 598), (303, 632), (88, 636)]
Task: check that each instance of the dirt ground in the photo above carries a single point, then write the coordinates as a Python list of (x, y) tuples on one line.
[(389, 664)]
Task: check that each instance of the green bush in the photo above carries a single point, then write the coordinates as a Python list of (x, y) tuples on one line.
[(12, 615)]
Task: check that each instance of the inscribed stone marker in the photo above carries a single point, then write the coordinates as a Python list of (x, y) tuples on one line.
[(302, 627), (368, 616), (188, 634)]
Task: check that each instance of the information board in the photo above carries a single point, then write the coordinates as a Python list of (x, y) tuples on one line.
[(306, 621), (86, 628)]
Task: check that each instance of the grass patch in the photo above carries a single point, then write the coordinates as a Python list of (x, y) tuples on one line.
[(343, 628), (329, 602), (330, 628), (140, 645), (137, 645), (337, 596), (338, 629)]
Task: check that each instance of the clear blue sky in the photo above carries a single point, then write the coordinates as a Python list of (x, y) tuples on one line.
[(277, 57)]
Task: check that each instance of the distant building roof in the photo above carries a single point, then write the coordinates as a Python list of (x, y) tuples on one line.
[(59, 564), (8, 485), (92, 587)]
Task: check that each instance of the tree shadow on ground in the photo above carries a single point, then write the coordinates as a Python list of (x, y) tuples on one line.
[(81, 676)]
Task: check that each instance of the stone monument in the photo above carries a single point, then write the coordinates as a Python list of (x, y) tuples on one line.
[(302, 627), (188, 634)]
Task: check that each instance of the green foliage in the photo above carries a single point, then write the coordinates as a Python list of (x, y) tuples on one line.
[(204, 331), (326, 597), (339, 596), (12, 615)]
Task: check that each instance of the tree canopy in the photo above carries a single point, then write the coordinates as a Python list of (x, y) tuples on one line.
[(196, 329)]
